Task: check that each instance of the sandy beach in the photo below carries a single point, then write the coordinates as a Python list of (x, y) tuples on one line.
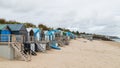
[(80, 53)]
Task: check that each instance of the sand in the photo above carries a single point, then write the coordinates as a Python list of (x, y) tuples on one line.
[(80, 53)]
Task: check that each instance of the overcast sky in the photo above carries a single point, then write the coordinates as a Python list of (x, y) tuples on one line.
[(93, 16)]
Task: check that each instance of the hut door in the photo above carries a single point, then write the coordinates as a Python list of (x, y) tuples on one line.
[(31, 36), (42, 35)]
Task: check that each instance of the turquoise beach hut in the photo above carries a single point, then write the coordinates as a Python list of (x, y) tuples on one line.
[(53, 42), (70, 35), (37, 34)]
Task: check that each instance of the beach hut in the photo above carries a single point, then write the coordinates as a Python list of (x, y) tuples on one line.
[(65, 37), (89, 37), (39, 45), (31, 40), (30, 35), (53, 42), (43, 42), (36, 34), (12, 34), (5, 50), (58, 37), (4, 33), (46, 38), (34, 38), (19, 40), (19, 31), (70, 35)]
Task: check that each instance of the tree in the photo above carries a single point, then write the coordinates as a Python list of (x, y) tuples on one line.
[(77, 33), (2, 21), (43, 27), (73, 32), (12, 22), (27, 25), (60, 29), (66, 30)]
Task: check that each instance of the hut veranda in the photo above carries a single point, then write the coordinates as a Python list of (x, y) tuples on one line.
[(20, 43)]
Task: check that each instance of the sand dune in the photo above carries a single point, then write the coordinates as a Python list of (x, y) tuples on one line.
[(80, 53)]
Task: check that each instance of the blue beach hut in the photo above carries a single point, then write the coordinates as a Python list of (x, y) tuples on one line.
[(4, 33)]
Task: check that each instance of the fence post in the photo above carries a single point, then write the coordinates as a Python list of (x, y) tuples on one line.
[(9, 39)]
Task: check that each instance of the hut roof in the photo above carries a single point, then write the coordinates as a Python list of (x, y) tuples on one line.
[(48, 32), (15, 27), (29, 29), (36, 30), (2, 26)]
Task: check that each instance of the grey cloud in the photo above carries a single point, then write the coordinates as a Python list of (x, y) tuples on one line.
[(18, 5), (92, 16), (5, 4)]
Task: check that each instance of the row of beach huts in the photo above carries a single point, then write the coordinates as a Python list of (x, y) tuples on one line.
[(20, 43)]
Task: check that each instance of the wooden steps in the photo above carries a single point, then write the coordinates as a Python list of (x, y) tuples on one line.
[(40, 46), (19, 51)]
